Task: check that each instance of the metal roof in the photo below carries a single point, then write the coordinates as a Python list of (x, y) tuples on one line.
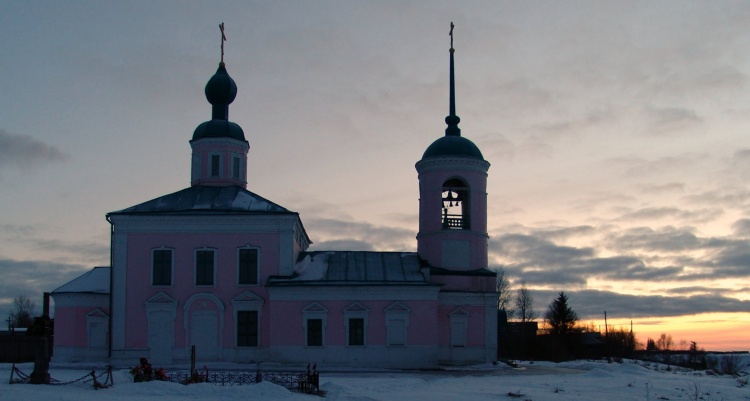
[(200, 198), (355, 268)]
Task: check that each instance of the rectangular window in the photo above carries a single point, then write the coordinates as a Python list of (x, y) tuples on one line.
[(161, 267), (247, 328), (248, 266), (357, 331), (236, 167), (204, 268), (215, 165), (315, 332)]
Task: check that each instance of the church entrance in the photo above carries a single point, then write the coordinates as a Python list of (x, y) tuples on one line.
[(204, 334)]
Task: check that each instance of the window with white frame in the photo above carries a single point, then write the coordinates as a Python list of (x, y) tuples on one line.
[(247, 328), (247, 266), (161, 266), (247, 309), (355, 322), (314, 323), (204, 266)]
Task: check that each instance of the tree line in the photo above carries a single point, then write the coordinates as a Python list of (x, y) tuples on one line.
[(561, 335)]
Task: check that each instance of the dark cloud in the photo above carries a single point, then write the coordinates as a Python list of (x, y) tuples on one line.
[(561, 233), (24, 151), (343, 245), (531, 251), (668, 239), (360, 234), (32, 278), (29, 237), (641, 254), (591, 304), (741, 227), (729, 197)]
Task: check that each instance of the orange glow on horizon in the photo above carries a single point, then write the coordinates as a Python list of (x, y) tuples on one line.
[(711, 331)]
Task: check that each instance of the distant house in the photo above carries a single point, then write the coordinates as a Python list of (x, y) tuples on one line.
[(222, 268)]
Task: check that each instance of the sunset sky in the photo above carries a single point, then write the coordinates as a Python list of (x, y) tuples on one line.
[(618, 135)]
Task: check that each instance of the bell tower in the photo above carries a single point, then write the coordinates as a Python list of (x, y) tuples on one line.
[(453, 197)]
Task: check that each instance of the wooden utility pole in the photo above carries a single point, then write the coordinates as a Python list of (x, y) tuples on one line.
[(606, 337)]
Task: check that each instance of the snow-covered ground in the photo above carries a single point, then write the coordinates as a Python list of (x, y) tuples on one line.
[(577, 380)]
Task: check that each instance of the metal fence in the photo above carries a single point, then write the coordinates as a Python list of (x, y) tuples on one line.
[(306, 382)]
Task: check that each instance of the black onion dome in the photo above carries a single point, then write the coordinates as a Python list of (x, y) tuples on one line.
[(221, 88), (451, 145), (219, 129), (220, 92)]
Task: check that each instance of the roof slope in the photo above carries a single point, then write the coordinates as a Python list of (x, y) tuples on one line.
[(94, 281), (207, 199), (355, 268)]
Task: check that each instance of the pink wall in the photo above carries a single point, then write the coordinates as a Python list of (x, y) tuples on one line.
[(139, 288), (289, 331), (70, 326), (476, 328)]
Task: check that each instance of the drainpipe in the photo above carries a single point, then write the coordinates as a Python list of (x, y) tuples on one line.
[(111, 275)]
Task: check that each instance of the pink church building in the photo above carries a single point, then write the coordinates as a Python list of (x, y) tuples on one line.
[(223, 269)]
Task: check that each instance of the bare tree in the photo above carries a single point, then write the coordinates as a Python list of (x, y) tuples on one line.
[(664, 343), (504, 296), (23, 314), (524, 304)]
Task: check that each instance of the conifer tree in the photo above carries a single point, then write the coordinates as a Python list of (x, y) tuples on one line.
[(560, 317)]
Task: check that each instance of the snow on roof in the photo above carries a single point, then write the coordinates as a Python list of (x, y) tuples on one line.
[(94, 281)]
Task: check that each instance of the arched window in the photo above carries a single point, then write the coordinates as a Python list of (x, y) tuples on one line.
[(455, 205)]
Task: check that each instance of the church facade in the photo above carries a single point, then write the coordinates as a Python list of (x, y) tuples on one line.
[(223, 269)]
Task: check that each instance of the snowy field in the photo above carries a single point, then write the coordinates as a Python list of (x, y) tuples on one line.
[(577, 380)]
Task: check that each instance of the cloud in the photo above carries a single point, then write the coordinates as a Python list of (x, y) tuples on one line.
[(24, 151), (639, 167), (655, 213), (666, 239), (671, 120), (662, 188), (30, 238), (344, 245), (741, 227), (32, 278), (361, 235), (634, 255), (591, 304)]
